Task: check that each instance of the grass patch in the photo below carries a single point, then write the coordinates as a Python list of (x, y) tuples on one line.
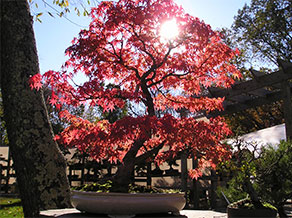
[(10, 207)]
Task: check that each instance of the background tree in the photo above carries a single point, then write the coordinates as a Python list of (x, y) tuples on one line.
[(262, 32), (265, 28), (124, 44), (242, 169), (257, 118), (39, 165)]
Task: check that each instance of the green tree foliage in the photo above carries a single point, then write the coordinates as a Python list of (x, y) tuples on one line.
[(61, 8), (241, 169), (274, 175), (263, 33), (3, 133), (264, 172), (257, 118), (264, 28)]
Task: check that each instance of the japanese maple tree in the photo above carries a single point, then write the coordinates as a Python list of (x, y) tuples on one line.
[(124, 46)]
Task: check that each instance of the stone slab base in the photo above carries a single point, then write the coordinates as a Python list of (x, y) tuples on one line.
[(73, 213)]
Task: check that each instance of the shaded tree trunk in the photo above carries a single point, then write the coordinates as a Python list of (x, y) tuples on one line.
[(252, 193), (39, 164), (123, 177), (281, 211)]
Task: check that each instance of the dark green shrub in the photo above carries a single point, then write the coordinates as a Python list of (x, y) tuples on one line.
[(233, 192), (241, 170), (274, 174), (265, 174)]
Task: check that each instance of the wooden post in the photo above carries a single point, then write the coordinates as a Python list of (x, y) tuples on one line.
[(109, 170), (196, 198), (82, 169), (184, 172), (286, 95), (149, 180), (287, 104), (8, 171), (0, 177), (70, 175), (213, 189)]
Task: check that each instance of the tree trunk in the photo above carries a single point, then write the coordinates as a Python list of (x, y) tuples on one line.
[(123, 177), (281, 211), (252, 193), (39, 164)]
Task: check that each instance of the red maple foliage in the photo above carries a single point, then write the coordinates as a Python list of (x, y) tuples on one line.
[(123, 46)]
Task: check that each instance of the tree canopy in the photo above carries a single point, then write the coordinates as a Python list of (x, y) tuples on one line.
[(123, 45), (264, 29)]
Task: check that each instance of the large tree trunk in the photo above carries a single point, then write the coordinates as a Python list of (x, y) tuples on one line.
[(39, 164)]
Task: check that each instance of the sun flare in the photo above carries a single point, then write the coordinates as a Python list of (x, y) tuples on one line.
[(169, 30)]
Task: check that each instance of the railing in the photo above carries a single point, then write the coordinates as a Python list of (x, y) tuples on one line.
[(7, 174)]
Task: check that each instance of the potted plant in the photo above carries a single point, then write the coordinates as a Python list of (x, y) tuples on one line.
[(243, 168), (160, 60), (100, 197), (274, 175), (246, 208)]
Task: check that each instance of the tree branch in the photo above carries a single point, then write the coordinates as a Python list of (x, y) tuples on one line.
[(149, 154)]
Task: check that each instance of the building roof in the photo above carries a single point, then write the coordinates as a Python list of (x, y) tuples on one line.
[(272, 135)]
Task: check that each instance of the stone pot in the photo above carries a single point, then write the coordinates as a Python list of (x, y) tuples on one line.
[(127, 204), (244, 212)]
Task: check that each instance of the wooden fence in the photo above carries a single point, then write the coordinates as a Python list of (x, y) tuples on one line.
[(201, 193)]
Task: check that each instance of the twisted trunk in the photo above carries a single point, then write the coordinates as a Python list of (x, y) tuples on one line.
[(253, 194), (123, 177)]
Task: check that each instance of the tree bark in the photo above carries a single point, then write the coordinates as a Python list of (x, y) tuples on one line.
[(252, 193), (39, 164), (122, 178), (281, 211)]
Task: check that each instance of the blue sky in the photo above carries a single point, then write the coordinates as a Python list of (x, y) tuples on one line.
[(54, 35)]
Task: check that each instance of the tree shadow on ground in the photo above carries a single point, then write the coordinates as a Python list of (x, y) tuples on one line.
[(10, 205)]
